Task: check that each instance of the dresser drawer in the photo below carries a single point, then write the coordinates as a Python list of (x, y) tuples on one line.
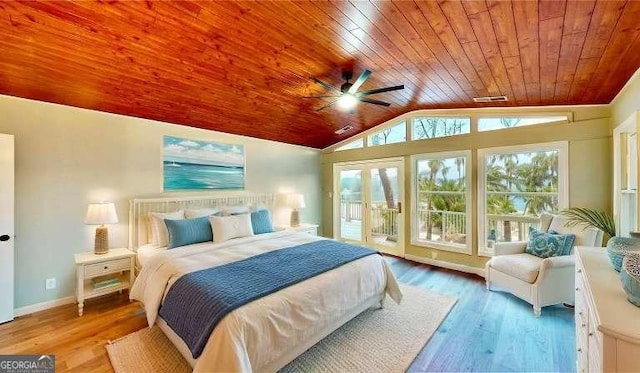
[(582, 327), (103, 268)]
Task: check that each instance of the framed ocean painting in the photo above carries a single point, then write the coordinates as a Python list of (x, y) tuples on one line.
[(197, 165)]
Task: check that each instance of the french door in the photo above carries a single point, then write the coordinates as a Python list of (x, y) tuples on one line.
[(6, 227), (369, 204)]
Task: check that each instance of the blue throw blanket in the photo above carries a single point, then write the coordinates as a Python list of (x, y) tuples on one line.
[(199, 300)]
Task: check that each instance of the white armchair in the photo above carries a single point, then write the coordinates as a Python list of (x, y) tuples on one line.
[(540, 282)]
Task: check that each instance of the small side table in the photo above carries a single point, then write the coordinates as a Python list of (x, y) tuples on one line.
[(103, 274), (311, 229)]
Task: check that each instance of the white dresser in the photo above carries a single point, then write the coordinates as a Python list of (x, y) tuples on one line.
[(607, 325)]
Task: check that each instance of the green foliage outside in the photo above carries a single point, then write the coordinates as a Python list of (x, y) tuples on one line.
[(522, 184), (519, 184)]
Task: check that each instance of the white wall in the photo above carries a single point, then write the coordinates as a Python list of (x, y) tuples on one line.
[(627, 101), (68, 157)]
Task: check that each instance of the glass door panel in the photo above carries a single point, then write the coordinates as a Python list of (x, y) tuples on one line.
[(368, 202), (351, 205), (385, 206)]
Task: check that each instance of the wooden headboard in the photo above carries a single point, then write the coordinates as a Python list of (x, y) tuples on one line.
[(139, 209)]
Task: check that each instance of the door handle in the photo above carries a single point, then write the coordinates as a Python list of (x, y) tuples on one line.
[(5, 237), (399, 207)]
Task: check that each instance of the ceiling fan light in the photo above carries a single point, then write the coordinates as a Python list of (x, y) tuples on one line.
[(347, 101)]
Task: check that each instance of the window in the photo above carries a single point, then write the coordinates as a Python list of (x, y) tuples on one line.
[(515, 185), (390, 135), (352, 145), (441, 216), (498, 123), (429, 128)]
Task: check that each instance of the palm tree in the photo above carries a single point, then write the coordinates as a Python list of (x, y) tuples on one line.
[(449, 202), (429, 184), (459, 166), (539, 175)]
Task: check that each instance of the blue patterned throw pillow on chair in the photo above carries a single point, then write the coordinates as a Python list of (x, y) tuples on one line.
[(548, 244)]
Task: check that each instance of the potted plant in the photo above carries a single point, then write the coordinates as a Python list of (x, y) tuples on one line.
[(616, 246), (590, 218)]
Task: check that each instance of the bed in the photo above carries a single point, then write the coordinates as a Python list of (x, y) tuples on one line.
[(267, 333)]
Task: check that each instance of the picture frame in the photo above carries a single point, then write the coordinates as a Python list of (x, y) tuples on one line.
[(202, 165)]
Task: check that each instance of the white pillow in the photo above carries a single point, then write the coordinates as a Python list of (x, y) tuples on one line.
[(228, 227), (159, 231), (198, 213), (235, 210)]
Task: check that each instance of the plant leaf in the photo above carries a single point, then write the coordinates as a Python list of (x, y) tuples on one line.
[(590, 218)]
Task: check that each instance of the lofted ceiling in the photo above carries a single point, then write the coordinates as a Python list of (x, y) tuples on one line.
[(243, 67)]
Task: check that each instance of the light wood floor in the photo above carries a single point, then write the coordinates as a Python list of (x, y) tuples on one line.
[(485, 331), (490, 331), (77, 342)]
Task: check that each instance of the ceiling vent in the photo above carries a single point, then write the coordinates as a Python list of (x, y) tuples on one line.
[(343, 129), (490, 99)]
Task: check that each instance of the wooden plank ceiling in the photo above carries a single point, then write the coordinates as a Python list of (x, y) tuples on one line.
[(244, 67)]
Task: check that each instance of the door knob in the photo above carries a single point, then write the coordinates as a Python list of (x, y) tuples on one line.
[(5, 237)]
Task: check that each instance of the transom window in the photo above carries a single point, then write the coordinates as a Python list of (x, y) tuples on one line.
[(432, 127), (357, 144), (390, 135), (498, 123)]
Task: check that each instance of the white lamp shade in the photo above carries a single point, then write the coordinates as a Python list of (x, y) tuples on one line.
[(295, 201), (101, 213)]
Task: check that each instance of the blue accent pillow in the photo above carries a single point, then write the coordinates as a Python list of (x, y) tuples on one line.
[(187, 231), (261, 222), (548, 244)]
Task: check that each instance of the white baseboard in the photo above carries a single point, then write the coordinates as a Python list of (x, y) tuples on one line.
[(43, 306), (440, 263)]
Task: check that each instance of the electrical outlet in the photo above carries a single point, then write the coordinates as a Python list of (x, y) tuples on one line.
[(50, 283)]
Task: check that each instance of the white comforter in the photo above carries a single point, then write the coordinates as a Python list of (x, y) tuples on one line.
[(266, 334)]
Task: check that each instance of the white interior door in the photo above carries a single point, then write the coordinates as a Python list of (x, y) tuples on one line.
[(6, 227), (369, 201)]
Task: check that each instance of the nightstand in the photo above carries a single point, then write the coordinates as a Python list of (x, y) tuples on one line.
[(103, 274), (311, 229)]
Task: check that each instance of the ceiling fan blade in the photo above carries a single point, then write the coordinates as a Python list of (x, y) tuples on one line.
[(361, 79), (376, 102), (327, 105), (326, 85), (379, 90), (334, 96)]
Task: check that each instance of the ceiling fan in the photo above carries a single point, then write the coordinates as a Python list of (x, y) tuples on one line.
[(347, 96)]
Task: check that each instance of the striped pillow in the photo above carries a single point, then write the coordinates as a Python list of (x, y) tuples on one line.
[(159, 233), (188, 231), (261, 222)]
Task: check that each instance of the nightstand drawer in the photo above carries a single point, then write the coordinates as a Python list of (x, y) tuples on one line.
[(110, 266), (312, 231)]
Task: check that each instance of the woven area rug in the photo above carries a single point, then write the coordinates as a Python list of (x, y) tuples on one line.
[(378, 340)]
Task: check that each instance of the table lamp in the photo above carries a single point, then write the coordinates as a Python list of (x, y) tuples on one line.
[(295, 201), (101, 214)]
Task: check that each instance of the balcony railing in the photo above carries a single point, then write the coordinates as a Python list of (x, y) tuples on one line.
[(439, 225), (384, 221), (509, 228), (442, 226)]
